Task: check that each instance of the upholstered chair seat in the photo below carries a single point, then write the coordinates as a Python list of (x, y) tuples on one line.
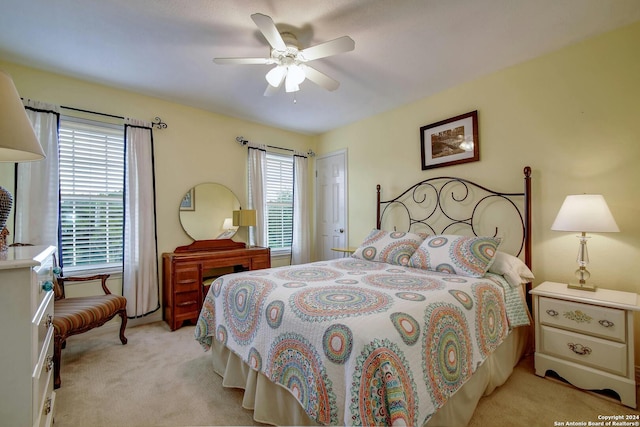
[(79, 314)]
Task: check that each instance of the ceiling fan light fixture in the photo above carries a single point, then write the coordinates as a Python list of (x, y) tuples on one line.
[(296, 73), (290, 85), (289, 58), (295, 76), (276, 75)]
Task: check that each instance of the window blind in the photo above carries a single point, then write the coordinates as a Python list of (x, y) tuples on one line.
[(279, 199), (91, 193)]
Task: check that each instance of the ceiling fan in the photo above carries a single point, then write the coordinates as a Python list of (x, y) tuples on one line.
[(290, 61)]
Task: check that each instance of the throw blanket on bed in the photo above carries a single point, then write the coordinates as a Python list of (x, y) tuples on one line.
[(359, 342)]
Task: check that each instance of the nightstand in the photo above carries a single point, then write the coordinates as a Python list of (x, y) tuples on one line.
[(586, 337)]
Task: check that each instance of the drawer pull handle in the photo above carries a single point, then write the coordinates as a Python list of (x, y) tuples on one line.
[(579, 349), (47, 406), (606, 323), (552, 313), (47, 286), (183, 304), (48, 321), (48, 364)]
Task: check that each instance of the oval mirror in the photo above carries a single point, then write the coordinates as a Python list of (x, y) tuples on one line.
[(206, 211)]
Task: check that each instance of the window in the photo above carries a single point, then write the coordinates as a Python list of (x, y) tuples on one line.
[(279, 184), (91, 193)]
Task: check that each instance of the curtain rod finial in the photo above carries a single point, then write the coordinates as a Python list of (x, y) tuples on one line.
[(159, 124), (240, 140)]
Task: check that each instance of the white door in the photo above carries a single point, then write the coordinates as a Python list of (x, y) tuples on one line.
[(331, 204)]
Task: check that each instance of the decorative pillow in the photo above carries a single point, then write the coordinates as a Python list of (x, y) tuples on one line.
[(392, 247), (463, 255), (512, 268)]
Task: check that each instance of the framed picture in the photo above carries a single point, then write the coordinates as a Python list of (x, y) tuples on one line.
[(450, 142), (188, 201)]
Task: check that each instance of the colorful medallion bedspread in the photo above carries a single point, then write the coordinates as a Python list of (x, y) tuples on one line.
[(359, 342)]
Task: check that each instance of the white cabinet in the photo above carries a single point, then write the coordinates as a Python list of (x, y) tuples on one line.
[(586, 337), (26, 333)]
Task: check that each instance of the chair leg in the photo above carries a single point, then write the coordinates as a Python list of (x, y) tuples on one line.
[(58, 343), (123, 325)]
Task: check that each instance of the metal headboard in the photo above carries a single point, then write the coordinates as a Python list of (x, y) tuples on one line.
[(443, 205)]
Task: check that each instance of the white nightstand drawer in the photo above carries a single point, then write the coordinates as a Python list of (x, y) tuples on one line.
[(595, 352), (594, 320)]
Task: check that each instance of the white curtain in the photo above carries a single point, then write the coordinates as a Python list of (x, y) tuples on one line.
[(300, 249), (140, 275), (37, 186), (257, 180)]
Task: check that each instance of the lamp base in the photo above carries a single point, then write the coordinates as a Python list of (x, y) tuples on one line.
[(582, 287)]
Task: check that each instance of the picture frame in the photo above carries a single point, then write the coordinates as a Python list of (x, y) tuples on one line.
[(450, 142), (188, 202)]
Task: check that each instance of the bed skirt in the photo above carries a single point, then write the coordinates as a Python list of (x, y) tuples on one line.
[(274, 404)]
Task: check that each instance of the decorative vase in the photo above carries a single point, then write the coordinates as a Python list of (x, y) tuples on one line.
[(6, 202)]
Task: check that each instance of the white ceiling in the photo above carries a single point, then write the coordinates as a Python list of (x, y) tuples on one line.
[(405, 49)]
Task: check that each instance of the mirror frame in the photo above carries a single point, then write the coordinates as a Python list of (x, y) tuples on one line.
[(203, 210)]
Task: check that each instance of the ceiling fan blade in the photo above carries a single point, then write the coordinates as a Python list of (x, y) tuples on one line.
[(269, 31), (259, 61), (319, 78), (332, 47)]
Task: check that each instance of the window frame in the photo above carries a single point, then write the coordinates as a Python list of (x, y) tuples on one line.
[(271, 159), (113, 139)]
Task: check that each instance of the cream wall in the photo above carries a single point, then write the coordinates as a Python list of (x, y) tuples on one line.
[(571, 115), (197, 146)]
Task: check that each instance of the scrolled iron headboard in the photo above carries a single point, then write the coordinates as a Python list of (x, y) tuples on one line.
[(456, 203)]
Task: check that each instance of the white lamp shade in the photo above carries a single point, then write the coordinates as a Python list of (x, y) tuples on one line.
[(585, 213), (227, 224), (18, 141)]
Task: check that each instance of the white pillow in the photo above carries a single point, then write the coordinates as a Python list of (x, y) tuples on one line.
[(512, 268)]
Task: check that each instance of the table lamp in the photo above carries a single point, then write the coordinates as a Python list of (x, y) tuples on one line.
[(18, 143), (227, 224), (584, 213), (245, 218)]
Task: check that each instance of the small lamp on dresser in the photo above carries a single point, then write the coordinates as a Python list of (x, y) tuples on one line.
[(245, 218), (584, 213), (18, 143)]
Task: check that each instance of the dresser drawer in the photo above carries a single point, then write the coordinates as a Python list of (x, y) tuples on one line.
[(586, 350), (42, 323), (42, 380), (604, 322), (187, 278), (43, 279), (186, 303)]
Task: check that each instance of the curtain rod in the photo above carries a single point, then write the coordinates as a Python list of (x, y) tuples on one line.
[(240, 140), (158, 123)]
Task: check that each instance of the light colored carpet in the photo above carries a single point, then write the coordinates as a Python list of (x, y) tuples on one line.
[(164, 378)]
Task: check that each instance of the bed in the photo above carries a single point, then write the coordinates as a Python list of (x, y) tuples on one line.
[(426, 317)]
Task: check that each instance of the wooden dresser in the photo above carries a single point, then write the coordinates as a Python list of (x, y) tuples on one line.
[(26, 321), (189, 270)]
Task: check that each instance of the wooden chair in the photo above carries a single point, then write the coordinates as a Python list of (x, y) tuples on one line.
[(76, 315)]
